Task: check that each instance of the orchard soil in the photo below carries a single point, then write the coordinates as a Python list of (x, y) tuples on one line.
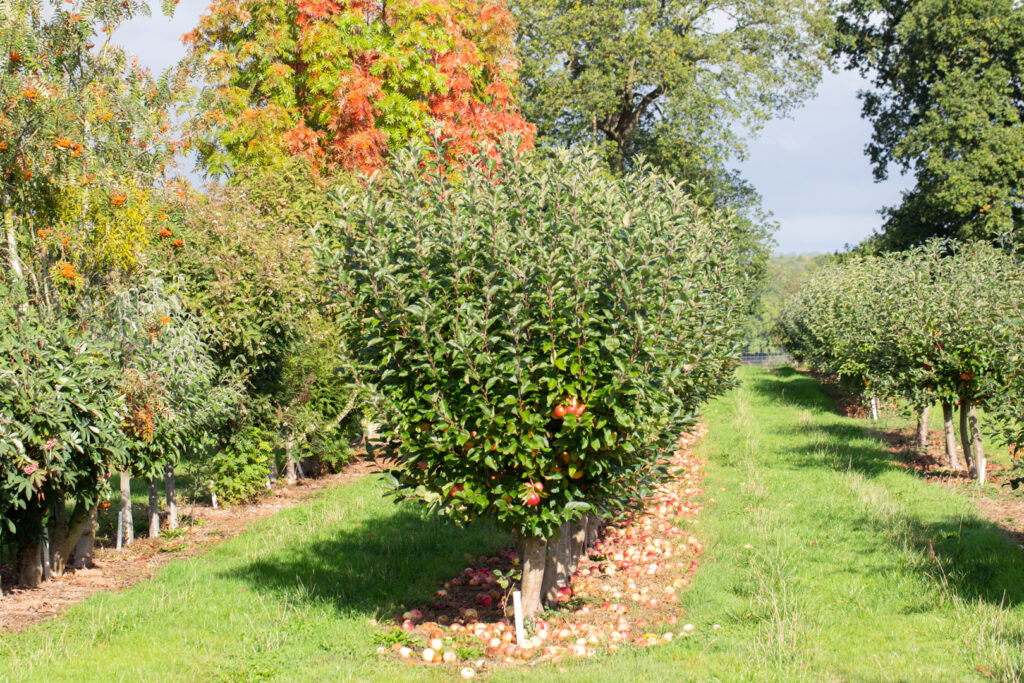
[(626, 591), (114, 570)]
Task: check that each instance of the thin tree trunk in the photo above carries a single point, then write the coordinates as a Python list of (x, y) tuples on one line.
[(976, 443), (965, 436), (30, 565), (154, 510), (65, 534), (12, 247), (922, 430), (534, 562), (593, 530), (556, 570), (289, 461), (272, 462), (58, 535), (874, 408), (172, 498), (87, 541), (126, 508), (950, 431)]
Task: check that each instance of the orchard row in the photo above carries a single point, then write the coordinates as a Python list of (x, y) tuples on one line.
[(939, 324), (533, 329)]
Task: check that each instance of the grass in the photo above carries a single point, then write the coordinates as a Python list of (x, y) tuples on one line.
[(824, 561)]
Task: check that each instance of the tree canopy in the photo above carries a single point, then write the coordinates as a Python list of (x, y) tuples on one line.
[(675, 80), (947, 106), (342, 83)]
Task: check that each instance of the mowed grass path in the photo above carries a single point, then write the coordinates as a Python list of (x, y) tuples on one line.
[(824, 561)]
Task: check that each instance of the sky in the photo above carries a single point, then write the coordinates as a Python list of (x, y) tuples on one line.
[(810, 168)]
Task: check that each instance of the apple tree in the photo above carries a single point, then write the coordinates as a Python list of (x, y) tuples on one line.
[(535, 332)]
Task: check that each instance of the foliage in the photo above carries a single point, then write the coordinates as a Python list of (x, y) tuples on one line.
[(929, 321), (84, 134), (178, 399), (246, 271), (472, 307), (674, 81), (340, 83), (60, 416), (917, 556), (947, 105), (239, 472), (938, 323), (783, 276)]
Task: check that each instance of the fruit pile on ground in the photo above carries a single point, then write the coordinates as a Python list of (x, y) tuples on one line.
[(624, 593)]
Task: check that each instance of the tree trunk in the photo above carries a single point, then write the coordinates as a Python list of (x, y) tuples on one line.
[(128, 526), (154, 510), (57, 537), (289, 461), (922, 429), (64, 535), (87, 541), (947, 426), (13, 259), (593, 530), (172, 498), (976, 443), (534, 562), (30, 565), (578, 543), (556, 569), (272, 462), (965, 437), (874, 408)]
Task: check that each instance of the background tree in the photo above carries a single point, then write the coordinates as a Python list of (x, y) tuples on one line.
[(675, 81), (339, 83), (947, 105)]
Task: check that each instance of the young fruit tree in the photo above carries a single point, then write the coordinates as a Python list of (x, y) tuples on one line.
[(536, 333)]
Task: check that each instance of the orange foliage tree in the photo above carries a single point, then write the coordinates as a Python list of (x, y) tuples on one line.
[(339, 84)]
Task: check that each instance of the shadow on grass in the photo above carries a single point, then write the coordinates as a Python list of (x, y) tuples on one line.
[(976, 558), (389, 563), (786, 385)]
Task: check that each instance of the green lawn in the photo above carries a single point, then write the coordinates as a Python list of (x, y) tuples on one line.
[(856, 570)]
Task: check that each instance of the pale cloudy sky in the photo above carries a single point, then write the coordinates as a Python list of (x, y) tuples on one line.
[(810, 168)]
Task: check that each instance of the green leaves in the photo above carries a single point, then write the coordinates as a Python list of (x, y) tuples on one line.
[(473, 305), (947, 105)]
